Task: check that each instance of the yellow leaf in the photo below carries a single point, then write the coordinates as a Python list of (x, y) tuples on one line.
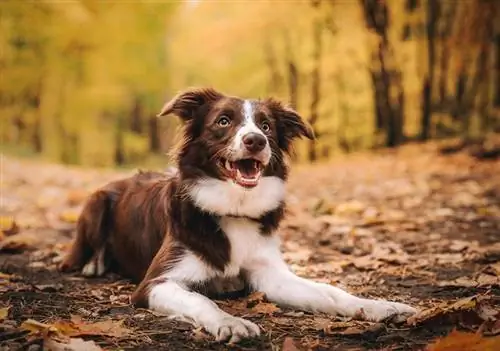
[(70, 216), (6, 222), (4, 312)]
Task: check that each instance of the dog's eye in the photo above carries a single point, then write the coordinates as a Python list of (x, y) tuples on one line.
[(266, 127), (224, 121)]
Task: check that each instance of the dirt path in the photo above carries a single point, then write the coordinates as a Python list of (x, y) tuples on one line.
[(407, 225)]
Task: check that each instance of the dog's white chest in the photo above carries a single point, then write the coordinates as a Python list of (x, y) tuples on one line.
[(245, 240)]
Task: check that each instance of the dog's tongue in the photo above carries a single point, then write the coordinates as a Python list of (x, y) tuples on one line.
[(248, 168), (247, 173)]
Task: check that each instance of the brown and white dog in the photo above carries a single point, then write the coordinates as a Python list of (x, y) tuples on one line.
[(213, 217)]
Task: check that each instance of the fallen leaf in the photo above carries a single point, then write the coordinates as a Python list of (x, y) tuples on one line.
[(107, 327), (8, 226), (73, 345), (265, 308), (199, 334), (70, 215), (17, 243), (42, 329), (289, 345), (76, 327), (49, 287), (4, 312), (462, 341), (255, 297), (471, 307), (487, 280)]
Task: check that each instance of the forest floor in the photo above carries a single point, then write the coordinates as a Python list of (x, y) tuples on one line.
[(409, 225)]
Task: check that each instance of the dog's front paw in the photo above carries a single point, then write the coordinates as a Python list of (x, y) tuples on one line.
[(379, 310), (233, 328)]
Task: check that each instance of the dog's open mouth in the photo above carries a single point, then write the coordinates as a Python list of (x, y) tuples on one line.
[(245, 172)]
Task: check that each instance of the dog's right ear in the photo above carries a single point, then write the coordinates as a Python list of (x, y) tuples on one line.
[(187, 103)]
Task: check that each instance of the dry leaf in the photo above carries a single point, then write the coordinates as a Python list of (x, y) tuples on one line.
[(42, 329), (289, 345), (8, 226), (72, 345), (265, 308), (70, 215), (16, 243), (4, 312), (461, 341), (76, 327), (468, 304), (107, 327)]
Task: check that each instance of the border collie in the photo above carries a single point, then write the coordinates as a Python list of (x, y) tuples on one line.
[(213, 217)]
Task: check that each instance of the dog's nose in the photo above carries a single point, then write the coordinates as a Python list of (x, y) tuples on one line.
[(254, 142)]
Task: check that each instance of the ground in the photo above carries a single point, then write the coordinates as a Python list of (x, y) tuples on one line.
[(409, 225)]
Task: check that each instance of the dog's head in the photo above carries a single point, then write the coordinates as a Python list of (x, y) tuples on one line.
[(227, 137)]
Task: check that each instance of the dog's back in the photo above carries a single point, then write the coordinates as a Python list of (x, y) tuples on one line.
[(106, 237)]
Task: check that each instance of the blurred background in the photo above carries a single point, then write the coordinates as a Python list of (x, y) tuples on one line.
[(82, 81)]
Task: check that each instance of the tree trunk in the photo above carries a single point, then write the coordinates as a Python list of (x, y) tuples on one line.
[(154, 134), (496, 73), (315, 80), (426, 120), (444, 62), (293, 74), (136, 116), (275, 79), (119, 156), (386, 77)]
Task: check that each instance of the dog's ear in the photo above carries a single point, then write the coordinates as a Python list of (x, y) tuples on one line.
[(187, 103), (290, 124)]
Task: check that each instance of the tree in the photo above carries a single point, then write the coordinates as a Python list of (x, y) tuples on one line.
[(386, 76)]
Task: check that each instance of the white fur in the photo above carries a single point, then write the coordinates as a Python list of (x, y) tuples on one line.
[(227, 198), (260, 257), (96, 266), (237, 148), (172, 297)]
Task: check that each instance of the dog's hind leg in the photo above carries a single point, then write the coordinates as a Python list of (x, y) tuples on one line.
[(96, 266), (87, 252)]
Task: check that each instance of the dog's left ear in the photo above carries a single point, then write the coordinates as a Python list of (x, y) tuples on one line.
[(187, 103), (290, 124)]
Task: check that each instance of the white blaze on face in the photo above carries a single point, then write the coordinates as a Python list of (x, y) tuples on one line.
[(248, 126)]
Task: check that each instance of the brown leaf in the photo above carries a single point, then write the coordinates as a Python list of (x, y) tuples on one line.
[(256, 297), (289, 345), (265, 308), (42, 329), (469, 306), (18, 243), (8, 226), (76, 327), (462, 341), (72, 345), (4, 312)]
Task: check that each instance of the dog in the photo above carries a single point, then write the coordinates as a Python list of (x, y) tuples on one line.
[(213, 217)]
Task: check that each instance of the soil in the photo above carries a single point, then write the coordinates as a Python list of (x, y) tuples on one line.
[(409, 225)]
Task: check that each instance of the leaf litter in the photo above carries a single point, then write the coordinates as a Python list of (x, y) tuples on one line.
[(410, 226)]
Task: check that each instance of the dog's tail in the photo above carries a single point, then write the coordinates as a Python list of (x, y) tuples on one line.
[(92, 230)]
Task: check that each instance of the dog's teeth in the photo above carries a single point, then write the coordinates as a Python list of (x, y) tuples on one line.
[(228, 165)]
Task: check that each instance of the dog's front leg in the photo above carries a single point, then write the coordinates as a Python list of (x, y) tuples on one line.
[(172, 298), (269, 274)]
